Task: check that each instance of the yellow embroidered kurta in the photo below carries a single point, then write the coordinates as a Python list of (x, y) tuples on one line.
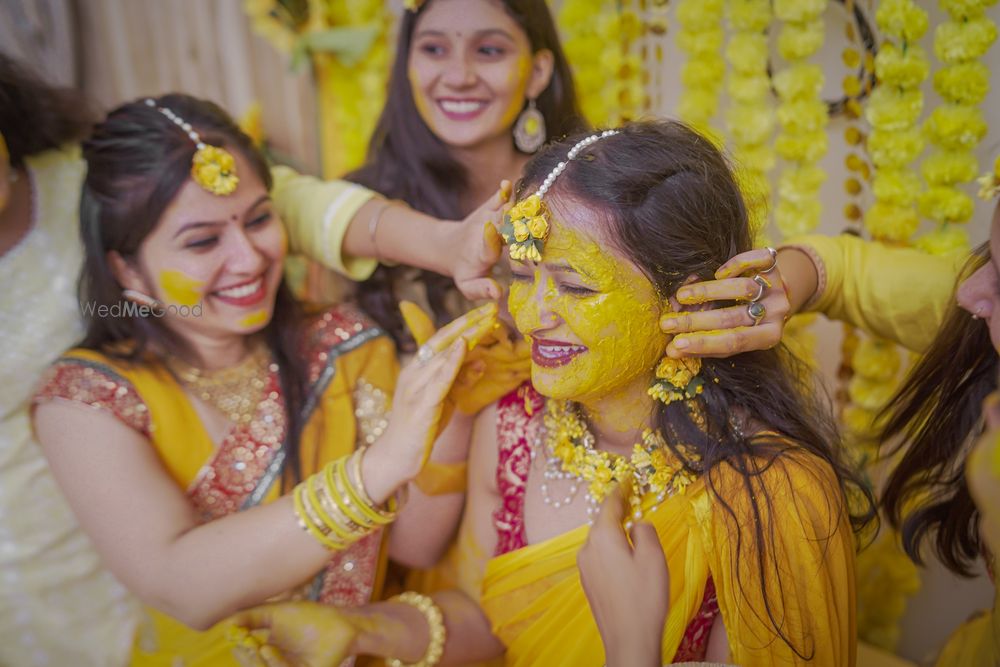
[(352, 367), (537, 606), (58, 605)]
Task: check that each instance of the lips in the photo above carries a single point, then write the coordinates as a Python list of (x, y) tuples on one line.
[(553, 353), (245, 294), (461, 109)]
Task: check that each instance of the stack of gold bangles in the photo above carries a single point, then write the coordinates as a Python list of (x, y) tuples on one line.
[(334, 507)]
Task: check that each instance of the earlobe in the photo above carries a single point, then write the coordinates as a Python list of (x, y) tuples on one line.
[(125, 273), (541, 73)]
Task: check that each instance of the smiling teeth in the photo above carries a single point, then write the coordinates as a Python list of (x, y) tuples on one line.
[(240, 292), (461, 107), (557, 351)]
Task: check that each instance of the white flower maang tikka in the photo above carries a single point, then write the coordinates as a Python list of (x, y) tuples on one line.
[(212, 167), (526, 224)]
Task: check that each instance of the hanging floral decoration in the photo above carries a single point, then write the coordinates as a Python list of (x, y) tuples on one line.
[(346, 42), (600, 39), (893, 112), (802, 115), (750, 116), (955, 128), (700, 37)]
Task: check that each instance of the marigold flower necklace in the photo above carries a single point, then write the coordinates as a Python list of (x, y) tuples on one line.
[(572, 455)]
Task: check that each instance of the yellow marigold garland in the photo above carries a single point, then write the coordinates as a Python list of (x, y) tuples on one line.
[(750, 117), (802, 115), (957, 126), (893, 111), (700, 37), (599, 38)]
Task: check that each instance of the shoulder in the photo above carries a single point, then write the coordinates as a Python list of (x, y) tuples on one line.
[(780, 483), (87, 378), (340, 333)]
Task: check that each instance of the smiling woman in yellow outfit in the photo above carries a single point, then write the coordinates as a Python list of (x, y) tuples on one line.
[(220, 446), (730, 461)]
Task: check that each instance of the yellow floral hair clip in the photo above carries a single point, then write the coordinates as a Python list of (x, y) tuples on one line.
[(212, 167), (526, 224), (989, 183)]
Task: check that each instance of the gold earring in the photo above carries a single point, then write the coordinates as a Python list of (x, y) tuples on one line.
[(529, 130), (145, 300), (677, 380)]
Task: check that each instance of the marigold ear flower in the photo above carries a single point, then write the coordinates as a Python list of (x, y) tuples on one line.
[(214, 169)]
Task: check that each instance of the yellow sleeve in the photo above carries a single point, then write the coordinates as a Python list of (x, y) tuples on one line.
[(804, 560), (317, 214), (976, 643), (897, 293)]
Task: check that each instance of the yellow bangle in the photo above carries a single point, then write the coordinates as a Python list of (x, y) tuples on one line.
[(335, 477), (435, 626), (330, 507), (307, 521), (331, 524), (392, 505), (368, 508)]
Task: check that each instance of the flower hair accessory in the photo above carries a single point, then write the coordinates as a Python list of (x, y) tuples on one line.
[(990, 182), (677, 380), (212, 167), (526, 224)]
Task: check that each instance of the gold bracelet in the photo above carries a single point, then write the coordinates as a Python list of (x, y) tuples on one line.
[(435, 627), (310, 523), (341, 531), (364, 505)]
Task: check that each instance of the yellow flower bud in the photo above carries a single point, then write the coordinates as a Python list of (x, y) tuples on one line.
[(521, 231), (530, 207)]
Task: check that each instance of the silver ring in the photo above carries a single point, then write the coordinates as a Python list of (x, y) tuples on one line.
[(774, 259), (762, 284), (756, 311), (425, 354)]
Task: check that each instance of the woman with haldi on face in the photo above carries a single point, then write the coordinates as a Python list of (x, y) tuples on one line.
[(219, 445), (730, 462), (477, 87)]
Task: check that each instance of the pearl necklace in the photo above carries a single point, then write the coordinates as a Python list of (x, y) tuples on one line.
[(572, 455)]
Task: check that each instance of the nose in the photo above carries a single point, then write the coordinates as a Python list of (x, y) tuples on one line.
[(243, 256), (546, 293), (460, 72)]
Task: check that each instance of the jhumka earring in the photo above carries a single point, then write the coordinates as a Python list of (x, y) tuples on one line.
[(529, 130), (154, 305)]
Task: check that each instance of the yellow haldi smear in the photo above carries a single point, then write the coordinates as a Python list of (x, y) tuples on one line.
[(619, 324), (254, 319), (181, 289)]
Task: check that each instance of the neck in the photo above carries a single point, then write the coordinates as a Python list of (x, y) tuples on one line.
[(213, 354), (486, 165), (618, 419)]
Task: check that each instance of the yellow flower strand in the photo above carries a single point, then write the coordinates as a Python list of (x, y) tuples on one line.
[(802, 114), (957, 126), (700, 37), (750, 117)]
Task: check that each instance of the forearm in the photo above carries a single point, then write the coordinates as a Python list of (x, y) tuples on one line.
[(427, 523), (395, 629), (217, 568), (393, 232)]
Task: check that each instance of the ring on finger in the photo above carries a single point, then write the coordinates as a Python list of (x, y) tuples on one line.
[(762, 285), (774, 259), (425, 353), (756, 311)]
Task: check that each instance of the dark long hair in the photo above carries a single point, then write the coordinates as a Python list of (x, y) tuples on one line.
[(937, 412), (35, 116), (673, 207), (407, 161), (137, 160)]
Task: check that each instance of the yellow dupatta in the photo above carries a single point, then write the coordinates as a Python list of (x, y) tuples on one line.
[(350, 382), (538, 609)]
